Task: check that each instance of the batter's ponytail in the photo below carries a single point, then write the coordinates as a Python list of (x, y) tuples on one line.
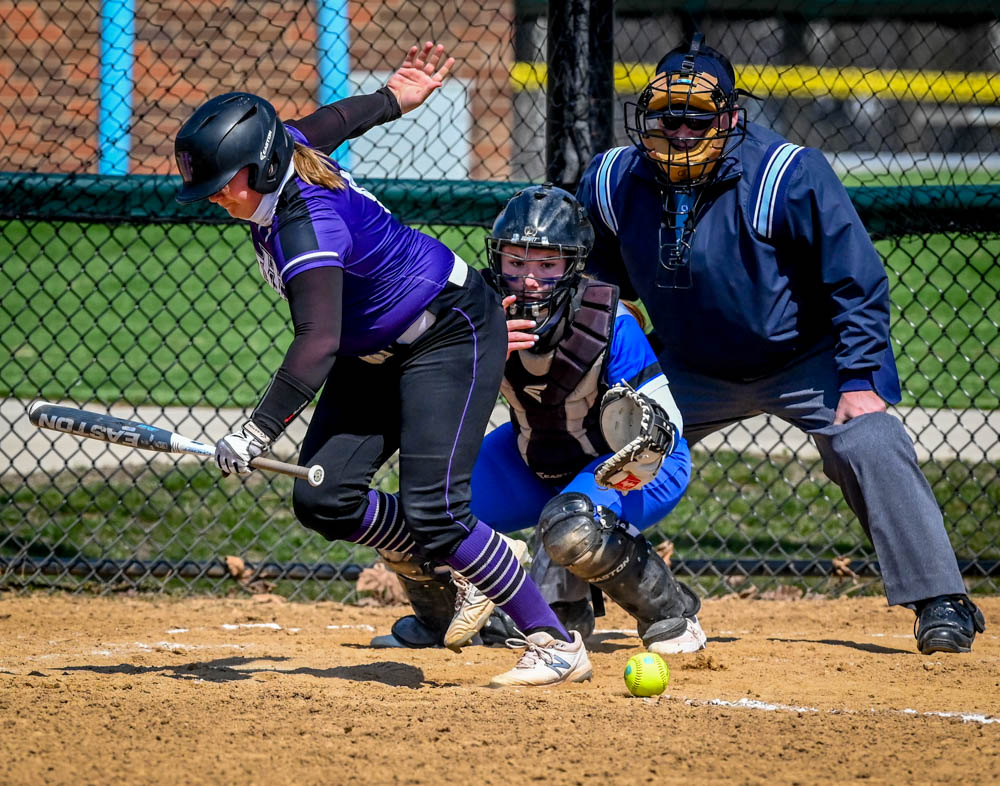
[(315, 168)]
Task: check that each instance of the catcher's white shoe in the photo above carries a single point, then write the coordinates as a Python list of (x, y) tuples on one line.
[(472, 607), (546, 661), (691, 640)]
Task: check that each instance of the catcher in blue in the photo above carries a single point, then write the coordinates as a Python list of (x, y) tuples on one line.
[(766, 295), (406, 344), (593, 453)]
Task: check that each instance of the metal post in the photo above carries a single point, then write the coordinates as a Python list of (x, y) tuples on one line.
[(115, 112), (333, 60), (602, 76), (580, 92)]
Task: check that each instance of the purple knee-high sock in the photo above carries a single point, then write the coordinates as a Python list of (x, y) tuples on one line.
[(383, 527), (487, 561)]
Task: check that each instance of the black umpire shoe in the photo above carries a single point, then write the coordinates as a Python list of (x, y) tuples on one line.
[(947, 623)]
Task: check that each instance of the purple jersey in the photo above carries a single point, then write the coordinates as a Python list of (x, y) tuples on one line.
[(391, 272)]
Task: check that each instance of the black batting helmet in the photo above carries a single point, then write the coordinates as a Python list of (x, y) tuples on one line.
[(540, 217), (224, 135)]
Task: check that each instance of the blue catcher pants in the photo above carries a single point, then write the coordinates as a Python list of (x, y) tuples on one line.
[(509, 497)]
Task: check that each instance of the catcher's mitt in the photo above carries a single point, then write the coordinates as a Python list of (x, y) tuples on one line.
[(640, 433)]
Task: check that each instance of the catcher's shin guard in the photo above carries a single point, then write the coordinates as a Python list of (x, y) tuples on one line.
[(498, 628), (431, 593), (576, 615), (592, 543)]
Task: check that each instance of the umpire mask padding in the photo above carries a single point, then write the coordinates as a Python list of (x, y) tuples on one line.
[(686, 119)]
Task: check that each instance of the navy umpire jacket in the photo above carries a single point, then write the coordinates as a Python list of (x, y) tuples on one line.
[(781, 265)]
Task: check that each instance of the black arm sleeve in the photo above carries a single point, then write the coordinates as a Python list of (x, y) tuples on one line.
[(328, 127), (314, 297)]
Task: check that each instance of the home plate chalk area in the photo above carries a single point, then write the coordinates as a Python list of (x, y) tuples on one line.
[(138, 690)]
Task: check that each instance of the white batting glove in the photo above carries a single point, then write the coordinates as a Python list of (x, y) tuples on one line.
[(234, 452)]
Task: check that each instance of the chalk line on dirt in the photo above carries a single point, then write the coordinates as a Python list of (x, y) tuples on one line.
[(754, 704)]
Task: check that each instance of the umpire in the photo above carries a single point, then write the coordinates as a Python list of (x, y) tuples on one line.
[(769, 297)]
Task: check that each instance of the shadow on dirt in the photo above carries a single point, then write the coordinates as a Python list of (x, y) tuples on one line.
[(387, 672), (877, 649), (612, 641), (397, 675)]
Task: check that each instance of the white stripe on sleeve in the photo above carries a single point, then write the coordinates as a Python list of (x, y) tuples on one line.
[(306, 257), (658, 389), (602, 189)]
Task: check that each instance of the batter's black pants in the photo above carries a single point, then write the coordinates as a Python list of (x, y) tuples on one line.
[(431, 400)]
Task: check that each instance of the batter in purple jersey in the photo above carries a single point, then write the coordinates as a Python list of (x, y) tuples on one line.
[(391, 273), (406, 343)]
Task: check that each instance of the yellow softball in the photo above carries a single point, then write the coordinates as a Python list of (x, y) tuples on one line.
[(646, 674)]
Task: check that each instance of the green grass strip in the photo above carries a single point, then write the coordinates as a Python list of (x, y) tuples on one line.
[(178, 315)]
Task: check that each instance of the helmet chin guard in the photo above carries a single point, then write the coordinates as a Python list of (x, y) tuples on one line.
[(547, 309)]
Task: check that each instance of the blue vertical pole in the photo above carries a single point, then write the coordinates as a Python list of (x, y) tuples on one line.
[(332, 60), (115, 121)]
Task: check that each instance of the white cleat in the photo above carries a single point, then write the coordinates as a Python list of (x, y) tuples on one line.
[(691, 640), (472, 607), (546, 661)]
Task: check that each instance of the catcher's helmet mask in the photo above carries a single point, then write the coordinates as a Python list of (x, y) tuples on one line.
[(541, 217), (694, 87), (225, 134)]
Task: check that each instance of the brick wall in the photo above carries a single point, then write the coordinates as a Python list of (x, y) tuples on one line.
[(187, 50)]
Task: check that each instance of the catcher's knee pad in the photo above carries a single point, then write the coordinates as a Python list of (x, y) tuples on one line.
[(409, 633), (429, 589), (498, 628), (588, 542), (670, 627), (592, 543)]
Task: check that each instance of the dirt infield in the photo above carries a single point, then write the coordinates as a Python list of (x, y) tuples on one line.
[(136, 691)]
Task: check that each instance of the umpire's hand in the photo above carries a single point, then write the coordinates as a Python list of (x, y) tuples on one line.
[(857, 402)]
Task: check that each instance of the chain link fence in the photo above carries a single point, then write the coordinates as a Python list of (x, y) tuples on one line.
[(116, 299)]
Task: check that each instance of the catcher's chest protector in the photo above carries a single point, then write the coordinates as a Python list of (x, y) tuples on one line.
[(555, 398)]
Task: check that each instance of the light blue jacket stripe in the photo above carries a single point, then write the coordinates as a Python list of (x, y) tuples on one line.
[(603, 188), (775, 168), (773, 204), (764, 195)]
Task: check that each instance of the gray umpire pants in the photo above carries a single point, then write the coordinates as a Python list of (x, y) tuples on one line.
[(871, 458)]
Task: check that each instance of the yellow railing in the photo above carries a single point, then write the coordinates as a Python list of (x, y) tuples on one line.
[(963, 87)]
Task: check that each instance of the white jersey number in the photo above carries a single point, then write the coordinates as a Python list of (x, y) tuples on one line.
[(269, 270), (361, 190)]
